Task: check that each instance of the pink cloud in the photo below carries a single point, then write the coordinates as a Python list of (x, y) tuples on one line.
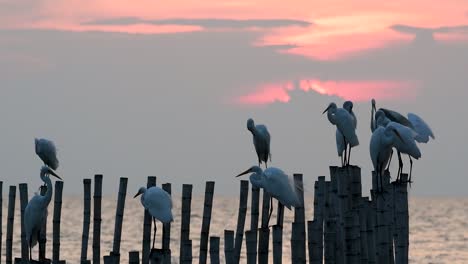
[(347, 90)]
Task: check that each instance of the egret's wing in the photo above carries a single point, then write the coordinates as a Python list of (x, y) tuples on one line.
[(422, 128), (263, 142), (340, 144), (159, 203), (397, 117), (47, 151), (344, 122)]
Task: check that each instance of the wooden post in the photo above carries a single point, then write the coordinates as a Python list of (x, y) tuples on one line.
[(401, 221), (314, 233), (56, 222), (119, 214), (299, 219), (187, 258), (229, 246), (166, 236), (339, 182), (10, 224), (330, 240), (319, 208), (254, 209), (251, 243), (278, 244), (352, 232), (185, 223), (86, 219), (1, 218), (205, 229), (296, 243), (371, 232), (214, 250), (264, 232), (157, 256), (382, 256), (147, 221), (23, 188), (97, 219), (244, 192), (363, 229), (133, 257), (43, 232)]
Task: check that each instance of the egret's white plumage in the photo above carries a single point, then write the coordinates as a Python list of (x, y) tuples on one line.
[(261, 140), (46, 150), (345, 122), (276, 183), (158, 203), (422, 129), (35, 212)]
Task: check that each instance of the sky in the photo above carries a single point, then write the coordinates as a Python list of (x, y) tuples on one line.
[(138, 88)]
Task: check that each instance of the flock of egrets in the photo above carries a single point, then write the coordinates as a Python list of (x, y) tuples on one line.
[(389, 130)]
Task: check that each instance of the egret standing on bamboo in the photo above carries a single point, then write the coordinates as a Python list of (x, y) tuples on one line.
[(158, 203), (340, 142), (346, 125), (36, 210), (276, 183), (261, 140)]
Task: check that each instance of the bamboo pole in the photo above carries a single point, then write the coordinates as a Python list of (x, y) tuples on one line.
[(299, 219), (296, 243), (314, 233), (254, 207), (319, 208), (277, 244), (86, 219), (43, 231), (244, 192), (264, 232), (1, 217), (23, 188), (166, 236), (341, 200), (229, 246), (185, 223), (251, 244), (363, 229), (401, 221), (10, 224), (119, 215), (205, 229), (330, 240), (371, 231), (147, 221), (157, 256), (382, 256), (97, 219), (187, 258), (133, 257), (56, 222), (214, 250)]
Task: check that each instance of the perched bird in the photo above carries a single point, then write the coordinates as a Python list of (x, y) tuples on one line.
[(345, 123), (340, 142), (261, 140), (380, 148), (46, 150), (158, 203), (276, 183), (35, 212)]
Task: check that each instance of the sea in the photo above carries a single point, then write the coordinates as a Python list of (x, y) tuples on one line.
[(438, 228)]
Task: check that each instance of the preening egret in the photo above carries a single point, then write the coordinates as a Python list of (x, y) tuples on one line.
[(346, 125), (36, 210), (276, 183), (261, 140), (380, 148), (46, 150), (158, 203)]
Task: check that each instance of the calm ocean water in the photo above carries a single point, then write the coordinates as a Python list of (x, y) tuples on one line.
[(438, 228)]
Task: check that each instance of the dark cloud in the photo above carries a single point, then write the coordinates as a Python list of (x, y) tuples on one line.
[(427, 34), (206, 23)]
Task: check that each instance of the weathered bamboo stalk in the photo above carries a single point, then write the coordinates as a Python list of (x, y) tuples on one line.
[(371, 231), (254, 207), (296, 243), (264, 231), (157, 256), (10, 224), (56, 222), (1, 217), (330, 240), (401, 221), (244, 192), (229, 246), (97, 219), (43, 231), (353, 255), (23, 188), (277, 244), (363, 229), (341, 200), (214, 250), (187, 258), (86, 219), (299, 219), (119, 214), (314, 233), (319, 208), (166, 235), (251, 244), (147, 221), (134, 257), (185, 223), (382, 232), (205, 229)]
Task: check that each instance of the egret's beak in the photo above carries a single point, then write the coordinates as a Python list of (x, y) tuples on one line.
[(373, 104), (136, 195), (398, 135), (245, 172), (326, 109), (54, 174)]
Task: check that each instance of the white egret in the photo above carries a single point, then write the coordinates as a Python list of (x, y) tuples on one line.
[(380, 148), (276, 183), (36, 210), (46, 150), (340, 142), (158, 203), (261, 140), (346, 124)]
